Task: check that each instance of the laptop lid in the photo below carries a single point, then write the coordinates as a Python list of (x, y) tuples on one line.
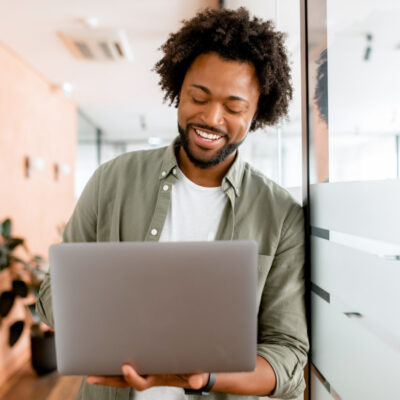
[(163, 307)]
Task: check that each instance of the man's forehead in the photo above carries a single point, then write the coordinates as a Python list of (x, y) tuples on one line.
[(211, 68)]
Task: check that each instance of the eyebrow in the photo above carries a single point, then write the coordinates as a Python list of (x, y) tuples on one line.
[(208, 91)]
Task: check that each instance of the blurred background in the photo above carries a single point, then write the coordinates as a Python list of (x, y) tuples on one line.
[(77, 89)]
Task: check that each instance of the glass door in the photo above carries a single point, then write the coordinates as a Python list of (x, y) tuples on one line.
[(351, 128)]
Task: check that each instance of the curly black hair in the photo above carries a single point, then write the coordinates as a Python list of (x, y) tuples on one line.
[(234, 36)]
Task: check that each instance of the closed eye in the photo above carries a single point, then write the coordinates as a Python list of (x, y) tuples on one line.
[(198, 101), (234, 111)]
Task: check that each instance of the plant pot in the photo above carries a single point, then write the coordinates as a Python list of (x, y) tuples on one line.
[(43, 351)]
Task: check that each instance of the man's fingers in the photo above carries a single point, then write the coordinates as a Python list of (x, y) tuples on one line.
[(134, 379), (197, 381), (115, 381), (131, 378)]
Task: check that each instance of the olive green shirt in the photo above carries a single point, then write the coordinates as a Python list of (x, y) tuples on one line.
[(127, 199)]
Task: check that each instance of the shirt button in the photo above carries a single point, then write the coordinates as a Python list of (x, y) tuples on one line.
[(163, 173), (154, 232), (165, 188), (174, 171)]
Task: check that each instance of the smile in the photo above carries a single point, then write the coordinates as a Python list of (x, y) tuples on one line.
[(207, 136)]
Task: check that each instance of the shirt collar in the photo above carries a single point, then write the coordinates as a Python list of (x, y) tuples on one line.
[(232, 179), (234, 175), (170, 163)]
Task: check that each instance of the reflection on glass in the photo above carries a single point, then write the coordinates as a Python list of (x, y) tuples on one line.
[(360, 67), (318, 93), (320, 119), (354, 126)]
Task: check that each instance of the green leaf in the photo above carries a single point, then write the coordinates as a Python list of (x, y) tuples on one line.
[(19, 288), (6, 228), (15, 332), (4, 259), (14, 242), (6, 302)]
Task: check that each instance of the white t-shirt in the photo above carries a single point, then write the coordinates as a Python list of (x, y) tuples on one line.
[(194, 214)]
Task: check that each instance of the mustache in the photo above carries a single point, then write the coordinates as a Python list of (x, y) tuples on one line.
[(208, 128)]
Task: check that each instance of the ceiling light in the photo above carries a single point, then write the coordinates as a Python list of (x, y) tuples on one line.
[(91, 22), (67, 88)]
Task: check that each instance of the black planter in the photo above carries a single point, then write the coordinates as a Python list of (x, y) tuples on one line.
[(43, 352)]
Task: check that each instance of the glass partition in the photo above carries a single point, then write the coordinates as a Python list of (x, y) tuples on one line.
[(353, 112)]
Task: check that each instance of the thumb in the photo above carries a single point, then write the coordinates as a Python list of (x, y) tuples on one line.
[(197, 381)]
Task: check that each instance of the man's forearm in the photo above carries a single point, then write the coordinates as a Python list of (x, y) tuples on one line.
[(259, 382)]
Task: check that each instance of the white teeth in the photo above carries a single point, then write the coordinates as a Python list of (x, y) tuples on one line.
[(206, 135)]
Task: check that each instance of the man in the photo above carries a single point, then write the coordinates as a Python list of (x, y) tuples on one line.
[(227, 74)]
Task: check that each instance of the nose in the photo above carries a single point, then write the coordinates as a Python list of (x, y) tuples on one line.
[(213, 114)]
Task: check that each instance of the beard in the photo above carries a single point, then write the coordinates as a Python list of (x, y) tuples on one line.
[(221, 155)]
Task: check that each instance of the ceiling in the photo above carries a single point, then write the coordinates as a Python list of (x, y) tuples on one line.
[(116, 96), (119, 96)]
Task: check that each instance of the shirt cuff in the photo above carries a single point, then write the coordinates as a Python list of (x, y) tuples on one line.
[(288, 370)]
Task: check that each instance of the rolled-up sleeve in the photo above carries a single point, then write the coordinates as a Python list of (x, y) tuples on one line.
[(80, 228), (282, 326)]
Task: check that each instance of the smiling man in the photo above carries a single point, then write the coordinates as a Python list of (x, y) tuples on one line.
[(227, 74), (217, 103)]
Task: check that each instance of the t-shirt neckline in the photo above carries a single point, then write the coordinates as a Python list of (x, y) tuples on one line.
[(195, 185)]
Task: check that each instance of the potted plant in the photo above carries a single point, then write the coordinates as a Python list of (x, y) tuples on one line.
[(25, 276)]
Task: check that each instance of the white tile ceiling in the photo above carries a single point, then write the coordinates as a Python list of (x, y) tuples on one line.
[(111, 94), (114, 95)]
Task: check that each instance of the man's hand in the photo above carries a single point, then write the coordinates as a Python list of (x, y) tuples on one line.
[(259, 382), (130, 378)]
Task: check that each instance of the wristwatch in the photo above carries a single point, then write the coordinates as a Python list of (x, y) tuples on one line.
[(205, 389)]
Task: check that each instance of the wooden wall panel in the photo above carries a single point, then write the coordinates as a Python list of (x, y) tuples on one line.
[(36, 120)]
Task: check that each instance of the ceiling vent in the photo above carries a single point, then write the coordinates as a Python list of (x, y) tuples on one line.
[(98, 44)]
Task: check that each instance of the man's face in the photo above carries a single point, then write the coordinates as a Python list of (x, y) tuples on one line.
[(217, 103)]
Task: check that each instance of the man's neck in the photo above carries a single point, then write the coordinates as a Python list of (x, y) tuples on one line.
[(208, 177)]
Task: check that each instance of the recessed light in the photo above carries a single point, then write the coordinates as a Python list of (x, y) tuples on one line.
[(67, 88), (91, 22)]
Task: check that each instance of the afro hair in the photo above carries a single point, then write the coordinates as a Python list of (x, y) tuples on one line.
[(234, 36)]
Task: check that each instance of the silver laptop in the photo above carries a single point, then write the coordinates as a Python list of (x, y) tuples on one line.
[(181, 307)]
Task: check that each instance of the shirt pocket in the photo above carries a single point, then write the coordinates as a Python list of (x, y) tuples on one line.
[(263, 267)]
